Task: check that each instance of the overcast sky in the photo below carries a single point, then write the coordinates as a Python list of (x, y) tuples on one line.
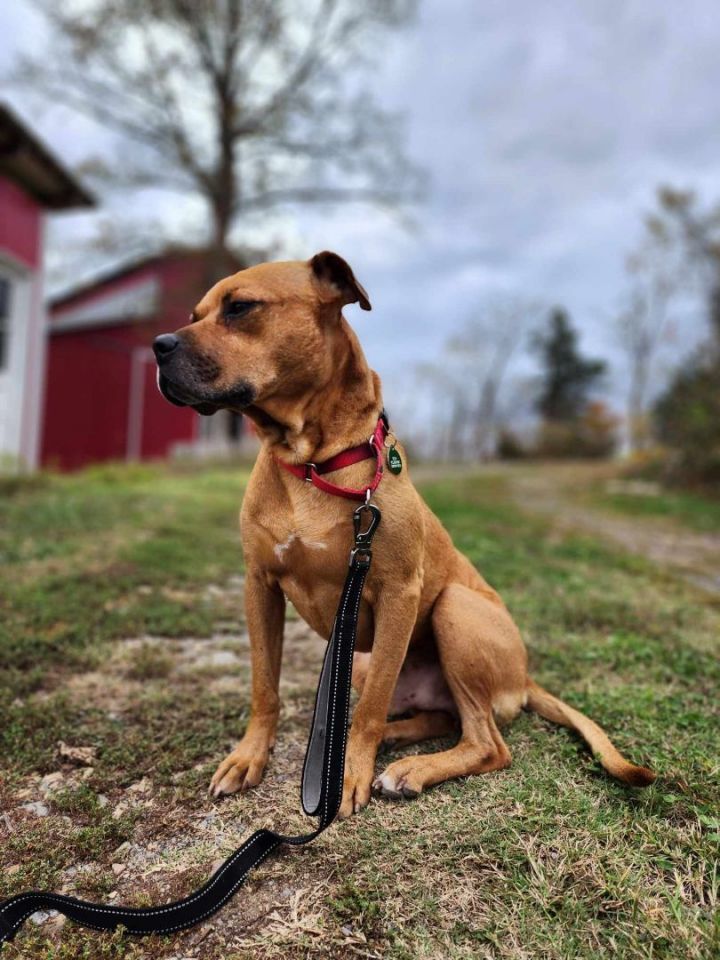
[(545, 127)]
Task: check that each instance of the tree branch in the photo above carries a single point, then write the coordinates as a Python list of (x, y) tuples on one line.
[(319, 195)]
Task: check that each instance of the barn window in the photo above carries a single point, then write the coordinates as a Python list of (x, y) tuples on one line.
[(4, 320)]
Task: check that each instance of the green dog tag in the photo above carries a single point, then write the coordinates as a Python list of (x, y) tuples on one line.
[(394, 460)]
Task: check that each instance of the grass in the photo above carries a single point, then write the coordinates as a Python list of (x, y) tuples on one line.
[(108, 553), (692, 510), (549, 858)]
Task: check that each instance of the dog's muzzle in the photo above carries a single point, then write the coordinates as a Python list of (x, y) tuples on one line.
[(180, 398), (185, 380)]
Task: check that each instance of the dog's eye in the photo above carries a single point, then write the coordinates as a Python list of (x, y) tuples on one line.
[(234, 309)]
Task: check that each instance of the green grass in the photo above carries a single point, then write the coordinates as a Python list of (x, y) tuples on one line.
[(695, 511), (549, 858), (89, 558)]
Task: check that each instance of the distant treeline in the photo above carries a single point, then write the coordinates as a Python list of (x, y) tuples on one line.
[(671, 395)]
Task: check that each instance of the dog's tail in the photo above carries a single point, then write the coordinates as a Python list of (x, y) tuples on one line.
[(614, 762)]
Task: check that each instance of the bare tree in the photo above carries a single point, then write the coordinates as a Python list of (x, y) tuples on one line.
[(442, 435), (484, 348), (250, 104), (679, 223), (642, 326), (466, 381), (679, 254)]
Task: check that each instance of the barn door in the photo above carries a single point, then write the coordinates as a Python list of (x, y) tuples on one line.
[(155, 428), (142, 362)]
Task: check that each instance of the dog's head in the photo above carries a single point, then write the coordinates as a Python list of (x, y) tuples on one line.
[(264, 333)]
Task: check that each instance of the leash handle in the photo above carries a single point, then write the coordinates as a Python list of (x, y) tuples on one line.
[(321, 793)]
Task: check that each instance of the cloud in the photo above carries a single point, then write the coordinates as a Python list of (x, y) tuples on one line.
[(545, 128)]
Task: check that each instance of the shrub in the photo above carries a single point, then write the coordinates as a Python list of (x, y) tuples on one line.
[(509, 446), (687, 419), (591, 435)]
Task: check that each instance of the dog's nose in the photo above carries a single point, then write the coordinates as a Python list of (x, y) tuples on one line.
[(164, 345)]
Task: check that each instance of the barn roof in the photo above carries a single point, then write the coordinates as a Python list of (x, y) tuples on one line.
[(134, 291), (134, 265), (28, 162), (106, 276)]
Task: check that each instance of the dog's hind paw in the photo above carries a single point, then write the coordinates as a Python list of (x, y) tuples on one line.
[(395, 786)]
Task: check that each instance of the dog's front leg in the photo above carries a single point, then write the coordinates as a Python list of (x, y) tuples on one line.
[(395, 616), (265, 614)]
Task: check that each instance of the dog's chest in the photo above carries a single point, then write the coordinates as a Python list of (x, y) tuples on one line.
[(305, 544), (298, 549), (307, 565)]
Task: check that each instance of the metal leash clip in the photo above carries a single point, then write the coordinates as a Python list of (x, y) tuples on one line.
[(361, 552)]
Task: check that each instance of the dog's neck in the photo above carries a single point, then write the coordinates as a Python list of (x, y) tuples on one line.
[(336, 414)]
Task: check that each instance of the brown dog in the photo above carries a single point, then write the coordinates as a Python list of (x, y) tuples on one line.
[(435, 641)]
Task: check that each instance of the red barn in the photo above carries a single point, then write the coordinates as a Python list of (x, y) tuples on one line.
[(101, 398)]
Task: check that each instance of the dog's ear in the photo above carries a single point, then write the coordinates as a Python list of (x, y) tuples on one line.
[(331, 269)]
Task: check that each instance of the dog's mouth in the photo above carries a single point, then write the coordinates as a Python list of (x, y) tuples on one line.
[(182, 397)]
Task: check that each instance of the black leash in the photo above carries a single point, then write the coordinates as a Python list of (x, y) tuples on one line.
[(322, 785)]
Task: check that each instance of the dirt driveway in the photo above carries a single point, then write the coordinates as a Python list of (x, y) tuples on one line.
[(560, 492)]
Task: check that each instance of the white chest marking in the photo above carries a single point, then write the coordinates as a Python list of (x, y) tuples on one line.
[(314, 544), (281, 549)]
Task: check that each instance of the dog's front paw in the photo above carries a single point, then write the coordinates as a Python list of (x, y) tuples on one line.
[(240, 770), (359, 769), (356, 793)]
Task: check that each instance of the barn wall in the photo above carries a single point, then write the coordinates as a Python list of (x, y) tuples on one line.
[(20, 224), (87, 406), (97, 359), (184, 282)]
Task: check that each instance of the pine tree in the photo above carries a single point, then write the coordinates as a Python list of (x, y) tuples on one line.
[(568, 377)]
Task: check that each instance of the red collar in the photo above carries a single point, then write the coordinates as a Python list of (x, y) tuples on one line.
[(372, 448)]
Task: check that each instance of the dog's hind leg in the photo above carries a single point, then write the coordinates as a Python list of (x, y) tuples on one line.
[(483, 660), (423, 726)]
